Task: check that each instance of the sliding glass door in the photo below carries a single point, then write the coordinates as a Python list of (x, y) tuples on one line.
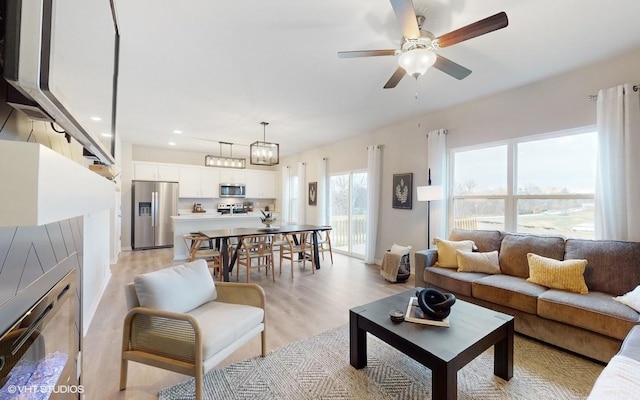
[(347, 212)]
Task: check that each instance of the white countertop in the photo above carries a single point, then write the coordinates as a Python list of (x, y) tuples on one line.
[(213, 215)]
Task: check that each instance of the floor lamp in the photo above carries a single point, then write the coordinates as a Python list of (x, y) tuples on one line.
[(429, 193)]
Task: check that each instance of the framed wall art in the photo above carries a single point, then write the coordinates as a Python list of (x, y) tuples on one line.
[(313, 193), (402, 191)]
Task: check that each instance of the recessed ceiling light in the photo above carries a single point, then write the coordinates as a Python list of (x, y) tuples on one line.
[(106, 134), (172, 143), (177, 132), (96, 119)]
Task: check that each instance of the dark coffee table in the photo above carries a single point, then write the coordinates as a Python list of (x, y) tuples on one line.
[(444, 350)]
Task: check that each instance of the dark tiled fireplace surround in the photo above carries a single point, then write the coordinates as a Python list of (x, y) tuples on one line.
[(40, 340)]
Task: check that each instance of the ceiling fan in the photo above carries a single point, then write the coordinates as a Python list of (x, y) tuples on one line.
[(418, 48)]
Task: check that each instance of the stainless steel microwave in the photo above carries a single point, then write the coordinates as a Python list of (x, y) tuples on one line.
[(233, 190)]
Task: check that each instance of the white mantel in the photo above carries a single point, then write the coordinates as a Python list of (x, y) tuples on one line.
[(41, 186)]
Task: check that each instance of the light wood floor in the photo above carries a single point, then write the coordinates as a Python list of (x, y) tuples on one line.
[(296, 309)]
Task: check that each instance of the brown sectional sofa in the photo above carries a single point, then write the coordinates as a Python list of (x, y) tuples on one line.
[(591, 324)]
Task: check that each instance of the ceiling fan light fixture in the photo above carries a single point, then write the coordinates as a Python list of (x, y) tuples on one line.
[(417, 61)]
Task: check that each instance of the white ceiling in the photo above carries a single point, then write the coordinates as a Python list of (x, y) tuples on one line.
[(216, 69)]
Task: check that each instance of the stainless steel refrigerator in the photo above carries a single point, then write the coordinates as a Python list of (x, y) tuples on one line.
[(153, 203)]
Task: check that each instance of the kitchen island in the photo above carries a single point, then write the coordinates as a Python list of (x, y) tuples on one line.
[(196, 222)]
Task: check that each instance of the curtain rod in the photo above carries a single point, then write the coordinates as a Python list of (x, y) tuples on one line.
[(594, 97)]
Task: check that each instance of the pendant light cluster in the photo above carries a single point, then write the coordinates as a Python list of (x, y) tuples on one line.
[(260, 153)]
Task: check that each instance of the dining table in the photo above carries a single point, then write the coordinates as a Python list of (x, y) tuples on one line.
[(222, 236)]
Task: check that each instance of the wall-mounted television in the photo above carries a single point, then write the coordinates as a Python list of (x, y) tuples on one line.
[(63, 55)]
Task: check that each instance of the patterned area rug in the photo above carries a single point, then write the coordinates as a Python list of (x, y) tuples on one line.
[(318, 368)]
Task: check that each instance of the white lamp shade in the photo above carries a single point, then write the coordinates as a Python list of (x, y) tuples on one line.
[(417, 61), (429, 193)]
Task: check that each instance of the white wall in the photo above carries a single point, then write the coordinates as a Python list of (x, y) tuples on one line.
[(95, 271)]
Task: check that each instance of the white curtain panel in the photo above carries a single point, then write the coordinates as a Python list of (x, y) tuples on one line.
[(437, 163), (285, 180), (322, 192), (302, 193), (617, 199), (373, 201)]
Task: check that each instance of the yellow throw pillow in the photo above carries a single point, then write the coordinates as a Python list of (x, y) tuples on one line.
[(447, 257), (478, 262), (564, 275)]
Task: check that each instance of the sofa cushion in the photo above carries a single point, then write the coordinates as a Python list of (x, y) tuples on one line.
[(514, 249), (508, 291), (612, 265), (478, 262), (595, 311), (447, 257), (451, 280), (180, 289), (484, 240), (563, 275), (224, 323)]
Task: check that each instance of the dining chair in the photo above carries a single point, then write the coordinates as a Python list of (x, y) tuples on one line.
[(211, 255), (295, 248), (324, 243), (258, 248)]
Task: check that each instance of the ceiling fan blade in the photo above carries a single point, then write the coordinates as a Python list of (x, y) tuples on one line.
[(366, 53), (407, 17), (475, 29), (449, 67), (395, 78)]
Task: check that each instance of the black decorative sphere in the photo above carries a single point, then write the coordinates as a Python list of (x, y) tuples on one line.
[(435, 304)]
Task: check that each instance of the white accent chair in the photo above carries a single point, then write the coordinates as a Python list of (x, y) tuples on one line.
[(181, 320)]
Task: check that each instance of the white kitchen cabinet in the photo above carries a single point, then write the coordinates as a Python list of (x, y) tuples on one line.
[(199, 182), (145, 171), (261, 184), (230, 175)]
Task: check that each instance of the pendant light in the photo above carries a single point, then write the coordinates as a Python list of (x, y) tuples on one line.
[(263, 152)]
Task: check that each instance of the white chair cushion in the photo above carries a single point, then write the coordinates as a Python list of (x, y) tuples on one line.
[(222, 324), (180, 289)]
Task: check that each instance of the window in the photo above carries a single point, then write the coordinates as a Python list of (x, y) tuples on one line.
[(543, 185)]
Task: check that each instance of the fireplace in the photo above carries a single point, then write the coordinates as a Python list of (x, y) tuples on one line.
[(39, 353)]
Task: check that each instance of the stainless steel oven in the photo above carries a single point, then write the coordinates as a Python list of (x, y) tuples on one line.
[(233, 190), (38, 355)]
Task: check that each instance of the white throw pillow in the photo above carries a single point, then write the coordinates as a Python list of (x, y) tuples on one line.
[(400, 250), (447, 257), (632, 299), (180, 289)]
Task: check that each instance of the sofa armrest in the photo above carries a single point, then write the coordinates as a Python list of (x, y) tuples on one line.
[(631, 344), (248, 294), (424, 259)]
